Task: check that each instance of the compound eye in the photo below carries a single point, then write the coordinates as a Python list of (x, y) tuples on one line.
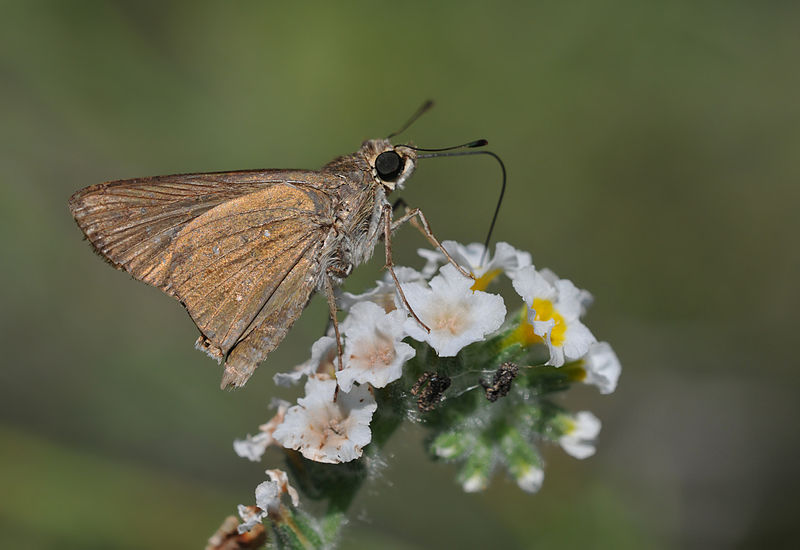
[(389, 165)]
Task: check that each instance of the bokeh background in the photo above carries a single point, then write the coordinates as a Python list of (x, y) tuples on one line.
[(652, 150)]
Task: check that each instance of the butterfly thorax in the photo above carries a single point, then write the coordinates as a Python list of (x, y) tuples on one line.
[(356, 225)]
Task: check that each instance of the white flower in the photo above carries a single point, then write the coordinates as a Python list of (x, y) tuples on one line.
[(602, 367), (374, 352), (473, 258), (555, 309), (323, 355), (582, 431), (530, 480), (268, 500), (253, 447), (456, 315), (268, 493), (385, 290), (325, 430)]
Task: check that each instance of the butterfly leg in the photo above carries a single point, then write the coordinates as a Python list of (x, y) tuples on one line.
[(401, 202), (332, 307), (412, 216), (387, 243)]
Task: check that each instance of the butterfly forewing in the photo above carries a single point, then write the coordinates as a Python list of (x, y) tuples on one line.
[(132, 223)]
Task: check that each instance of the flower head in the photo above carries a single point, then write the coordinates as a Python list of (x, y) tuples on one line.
[(328, 430), (580, 434), (555, 307), (456, 315), (374, 352), (540, 351)]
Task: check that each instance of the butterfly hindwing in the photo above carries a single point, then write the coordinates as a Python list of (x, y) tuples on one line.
[(228, 263), (272, 323)]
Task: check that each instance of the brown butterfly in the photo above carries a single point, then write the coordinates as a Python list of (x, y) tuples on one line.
[(244, 251)]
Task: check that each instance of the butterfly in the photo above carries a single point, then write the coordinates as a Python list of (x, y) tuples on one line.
[(244, 251)]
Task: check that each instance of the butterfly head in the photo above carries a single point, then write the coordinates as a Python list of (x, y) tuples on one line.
[(391, 164)]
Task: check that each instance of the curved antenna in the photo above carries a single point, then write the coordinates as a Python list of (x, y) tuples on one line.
[(468, 145), (502, 188), (421, 111)]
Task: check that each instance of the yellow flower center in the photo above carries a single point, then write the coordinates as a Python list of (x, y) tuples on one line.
[(482, 282), (544, 312), (523, 334)]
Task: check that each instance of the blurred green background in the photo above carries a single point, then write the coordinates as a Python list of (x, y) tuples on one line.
[(652, 150)]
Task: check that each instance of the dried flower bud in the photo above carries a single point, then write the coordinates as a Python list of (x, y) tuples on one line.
[(501, 383), (227, 536), (429, 389)]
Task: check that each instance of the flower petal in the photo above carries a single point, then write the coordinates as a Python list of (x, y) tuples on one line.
[(602, 367), (579, 441)]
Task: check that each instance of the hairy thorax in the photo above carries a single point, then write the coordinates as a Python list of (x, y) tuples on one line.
[(356, 227)]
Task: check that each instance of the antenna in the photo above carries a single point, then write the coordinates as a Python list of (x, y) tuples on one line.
[(469, 145), (421, 111)]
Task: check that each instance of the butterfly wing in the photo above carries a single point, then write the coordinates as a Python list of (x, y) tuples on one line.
[(246, 269), (132, 223), (240, 250)]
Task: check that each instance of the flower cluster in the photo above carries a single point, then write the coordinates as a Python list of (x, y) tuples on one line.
[(446, 352)]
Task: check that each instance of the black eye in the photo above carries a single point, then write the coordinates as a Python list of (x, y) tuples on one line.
[(388, 165)]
